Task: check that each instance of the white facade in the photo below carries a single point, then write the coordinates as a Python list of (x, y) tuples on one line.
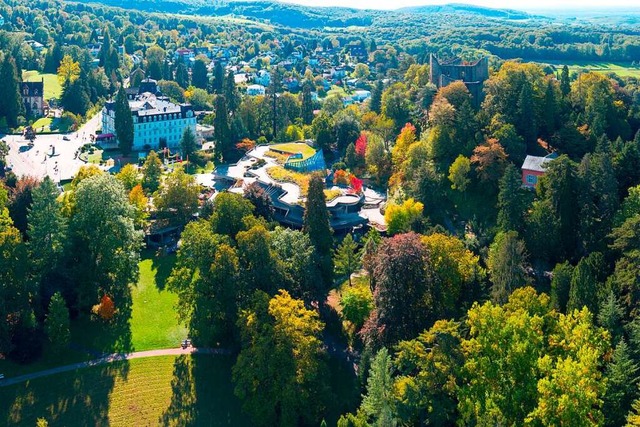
[(154, 120), (255, 90)]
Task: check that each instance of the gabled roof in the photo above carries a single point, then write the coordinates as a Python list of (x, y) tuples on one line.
[(536, 163)]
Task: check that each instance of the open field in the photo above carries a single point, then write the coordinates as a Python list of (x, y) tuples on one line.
[(52, 87), (176, 390), (153, 324), (621, 69), (153, 320), (296, 147)]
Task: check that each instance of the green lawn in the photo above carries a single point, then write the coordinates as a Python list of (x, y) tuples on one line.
[(52, 125), (153, 320), (182, 390), (296, 147), (620, 68), (52, 87)]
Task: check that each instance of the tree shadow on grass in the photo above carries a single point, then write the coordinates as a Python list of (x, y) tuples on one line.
[(162, 265), (78, 398), (203, 393)]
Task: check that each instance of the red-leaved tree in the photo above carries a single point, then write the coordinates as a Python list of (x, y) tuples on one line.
[(356, 184), (361, 146)]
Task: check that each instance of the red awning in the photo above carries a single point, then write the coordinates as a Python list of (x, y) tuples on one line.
[(105, 136)]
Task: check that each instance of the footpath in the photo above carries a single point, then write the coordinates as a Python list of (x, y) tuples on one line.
[(112, 358)]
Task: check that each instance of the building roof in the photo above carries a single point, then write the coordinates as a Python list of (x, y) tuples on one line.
[(536, 163), (148, 104), (32, 88)]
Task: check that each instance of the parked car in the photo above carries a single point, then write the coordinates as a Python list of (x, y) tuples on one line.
[(66, 138)]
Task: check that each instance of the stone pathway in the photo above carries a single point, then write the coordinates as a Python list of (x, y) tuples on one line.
[(112, 358)]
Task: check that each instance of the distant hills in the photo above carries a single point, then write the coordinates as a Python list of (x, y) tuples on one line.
[(298, 16), (467, 9)]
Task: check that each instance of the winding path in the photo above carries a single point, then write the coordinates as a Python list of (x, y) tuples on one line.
[(112, 358)]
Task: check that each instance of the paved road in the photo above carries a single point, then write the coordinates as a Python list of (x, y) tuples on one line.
[(111, 358), (37, 161)]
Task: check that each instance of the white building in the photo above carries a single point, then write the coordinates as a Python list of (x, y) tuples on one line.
[(156, 121), (362, 95), (255, 90)]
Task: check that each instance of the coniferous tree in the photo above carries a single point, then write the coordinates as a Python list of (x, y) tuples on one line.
[(560, 286), (583, 290), (182, 75), (507, 265), (221, 129), (105, 49), (218, 78), (307, 106), (151, 172), (346, 259), (622, 383), (188, 143), (56, 324), (10, 100), (526, 115), (565, 84), (46, 228), (199, 74), (231, 93), (123, 122), (376, 98), (512, 201), (316, 225)]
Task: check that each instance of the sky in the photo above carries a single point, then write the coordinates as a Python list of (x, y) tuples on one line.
[(518, 5)]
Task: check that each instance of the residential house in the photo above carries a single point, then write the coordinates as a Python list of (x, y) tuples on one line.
[(255, 90), (33, 98), (533, 168)]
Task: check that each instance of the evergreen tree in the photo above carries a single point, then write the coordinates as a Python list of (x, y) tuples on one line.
[(46, 228), (379, 403), (307, 106), (583, 290), (199, 74), (151, 172), (560, 286), (565, 84), (622, 383), (11, 105), (272, 92), (231, 93), (316, 225), (346, 258), (188, 143), (223, 143), (123, 122), (56, 324), (610, 317), (549, 110), (507, 265), (512, 201), (182, 75), (105, 48), (75, 98), (526, 115), (376, 98), (218, 78)]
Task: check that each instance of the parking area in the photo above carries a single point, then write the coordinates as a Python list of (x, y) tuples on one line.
[(51, 154)]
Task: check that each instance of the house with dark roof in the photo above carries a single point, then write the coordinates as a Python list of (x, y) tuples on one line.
[(533, 168), (33, 98)]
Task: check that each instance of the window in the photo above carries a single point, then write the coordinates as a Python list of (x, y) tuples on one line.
[(532, 179)]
